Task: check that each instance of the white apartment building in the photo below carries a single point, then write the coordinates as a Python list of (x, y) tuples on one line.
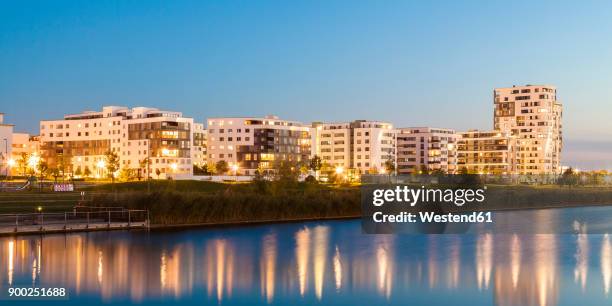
[(362, 146), (24, 146), (247, 144), (6, 145), (533, 115), (79, 142), (426, 149), (486, 152)]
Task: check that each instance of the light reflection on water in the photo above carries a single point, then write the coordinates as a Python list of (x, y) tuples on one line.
[(315, 263)]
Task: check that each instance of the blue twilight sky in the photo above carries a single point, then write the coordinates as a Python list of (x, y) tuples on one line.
[(409, 62)]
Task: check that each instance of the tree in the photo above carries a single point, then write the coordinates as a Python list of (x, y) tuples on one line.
[(222, 167), (78, 171), (438, 172), (211, 168), (55, 173), (112, 164), (260, 182), (303, 167), (42, 168), (569, 177), (197, 170), (143, 166), (86, 172), (157, 173), (286, 171), (22, 162), (126, 174), (389, 166), (316, 164), (63, 166)]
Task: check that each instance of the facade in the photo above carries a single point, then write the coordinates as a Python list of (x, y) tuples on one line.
[(247, 144), (486, 152), (362, 146), (198, 151), (425, 150), (6, 145), (24, 146), (533, 115), (78, 143)]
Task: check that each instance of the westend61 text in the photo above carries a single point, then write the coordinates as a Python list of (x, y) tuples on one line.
[(431, 217)]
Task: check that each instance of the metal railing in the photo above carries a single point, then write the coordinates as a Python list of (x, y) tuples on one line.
[(102, 218)]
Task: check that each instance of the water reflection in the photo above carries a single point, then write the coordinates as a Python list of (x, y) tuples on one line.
[(302, 255), (384, 260), (219, 258), (268, 266), (338, 269), (606, 263), (304, 263), (484, 260), (582, 255)]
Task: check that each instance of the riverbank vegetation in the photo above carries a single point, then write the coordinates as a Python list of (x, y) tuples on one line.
[(172, 203), (192, 202)]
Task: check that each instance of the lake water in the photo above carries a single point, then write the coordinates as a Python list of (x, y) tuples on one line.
[(315, 263)]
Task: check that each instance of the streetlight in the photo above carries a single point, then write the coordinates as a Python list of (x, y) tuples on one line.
[(101, 164), (235, 169), (6, 156), (11, 163), (33, 161), (173, 166), (340, 171)]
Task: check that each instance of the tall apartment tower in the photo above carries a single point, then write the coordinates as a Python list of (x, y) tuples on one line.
[(426, 149), (532, 114), (360, 145)]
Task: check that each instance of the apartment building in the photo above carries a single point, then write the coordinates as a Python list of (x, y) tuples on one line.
[(24, 146), (198, 151), (6, 145), (533, 115), (426, 149), (79, 142), (486, 152), (251, 143), (362, 146)]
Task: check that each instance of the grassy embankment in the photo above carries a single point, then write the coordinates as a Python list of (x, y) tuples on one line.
[(198, 202), (195, 202)]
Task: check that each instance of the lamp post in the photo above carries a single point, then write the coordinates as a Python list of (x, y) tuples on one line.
[(235, 169), (101, 164), (340, 171), (6, 157), (11, 164), (173, 166)]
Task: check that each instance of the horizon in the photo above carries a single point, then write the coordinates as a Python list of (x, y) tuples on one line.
[(411, 64)]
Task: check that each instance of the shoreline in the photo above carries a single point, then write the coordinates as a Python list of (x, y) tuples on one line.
[(160, 227), (179, 227)]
